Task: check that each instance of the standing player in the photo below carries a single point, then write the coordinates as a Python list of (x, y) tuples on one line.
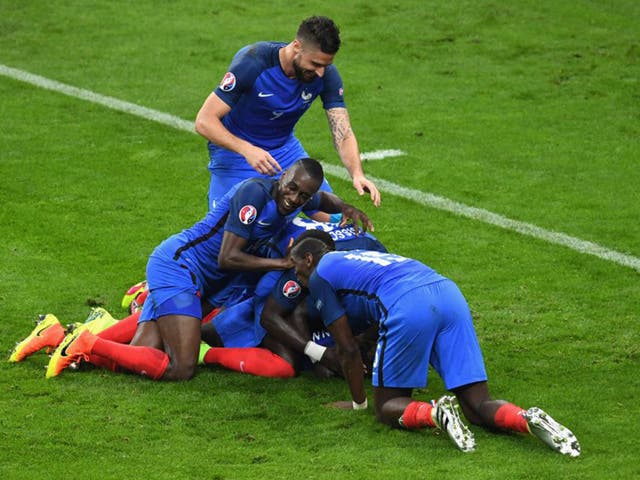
[(199, 262), (422, 318), (250, 117)]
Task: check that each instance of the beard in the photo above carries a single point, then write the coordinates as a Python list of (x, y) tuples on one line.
[(305, 76)]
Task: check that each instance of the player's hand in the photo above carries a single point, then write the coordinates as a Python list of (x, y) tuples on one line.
[(287, 262), (351, 214), (362, 185), (341, 404), (262, 161)]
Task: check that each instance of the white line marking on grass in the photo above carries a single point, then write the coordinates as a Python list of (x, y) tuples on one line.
[(88, 95), (423, 198), (380, 154), (486, 216)]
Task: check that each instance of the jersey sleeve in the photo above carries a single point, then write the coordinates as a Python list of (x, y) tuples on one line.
[(243, 71), (245, 206), (324, 299), (287, 291), (332, 94)]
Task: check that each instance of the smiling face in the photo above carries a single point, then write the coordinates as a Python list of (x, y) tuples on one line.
[(295, 188), (309, 62)]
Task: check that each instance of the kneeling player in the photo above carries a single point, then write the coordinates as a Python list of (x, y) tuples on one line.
[(423, 318)]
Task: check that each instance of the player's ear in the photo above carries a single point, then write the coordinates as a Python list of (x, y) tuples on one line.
[(308, 257)]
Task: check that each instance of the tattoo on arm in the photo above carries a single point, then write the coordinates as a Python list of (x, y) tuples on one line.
[(340, 125)]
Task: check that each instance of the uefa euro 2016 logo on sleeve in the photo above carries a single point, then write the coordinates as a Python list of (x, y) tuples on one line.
[(247, 214), (291, 289), (228, 82)]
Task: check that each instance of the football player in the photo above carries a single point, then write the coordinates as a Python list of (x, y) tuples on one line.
[(423, 319), (249, 118)]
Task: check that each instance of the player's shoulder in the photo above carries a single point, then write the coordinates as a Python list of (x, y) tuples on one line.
[(259, 54), (329, 261), (255, 187)]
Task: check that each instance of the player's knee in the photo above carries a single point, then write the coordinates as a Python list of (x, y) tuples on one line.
[(181, 371), (385, 415)]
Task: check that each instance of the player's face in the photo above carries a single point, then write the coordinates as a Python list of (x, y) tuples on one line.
[(295, 189), (310, 63), (303, 268)]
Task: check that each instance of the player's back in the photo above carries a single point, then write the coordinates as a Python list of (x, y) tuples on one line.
[(345, 237), (366, 278)]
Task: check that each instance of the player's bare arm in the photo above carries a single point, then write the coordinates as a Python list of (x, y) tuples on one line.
[(346, 144), (273, 320), (231, 257), (331, 203), (209, 125), (351, 361), (290, 328)]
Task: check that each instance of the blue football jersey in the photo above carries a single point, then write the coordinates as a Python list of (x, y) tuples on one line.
[(364, 284), (344, 237), (284, 286), (265, 103), (247, 210)]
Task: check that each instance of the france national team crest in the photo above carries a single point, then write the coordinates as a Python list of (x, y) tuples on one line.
[(247, 214), (228, 82), (306, 96), (291, 289)]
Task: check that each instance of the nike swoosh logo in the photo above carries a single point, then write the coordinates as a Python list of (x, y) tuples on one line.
[(39, 333), (63, 352), (264, 224), (264, 95)]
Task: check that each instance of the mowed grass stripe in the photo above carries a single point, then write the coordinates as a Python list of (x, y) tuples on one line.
[(423, 198)]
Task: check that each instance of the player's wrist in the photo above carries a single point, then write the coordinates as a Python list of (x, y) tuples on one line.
[(314, 351), (360, 406), (335, 218)]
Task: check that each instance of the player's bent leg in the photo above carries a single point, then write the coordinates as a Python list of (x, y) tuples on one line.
[(477, 405), (480, 409), (249, 359), (395, 407), (148, 335), (209, 335), (390, 404), (181, 339), (283, 352)]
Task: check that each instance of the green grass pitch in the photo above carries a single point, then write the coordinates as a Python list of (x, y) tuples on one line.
[(527, 109)]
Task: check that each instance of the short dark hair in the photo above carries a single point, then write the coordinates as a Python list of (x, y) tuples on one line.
[(314, 246), (312, 167), (318, 235), (320, 31)]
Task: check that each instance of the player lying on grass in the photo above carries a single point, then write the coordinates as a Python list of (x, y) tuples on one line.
[(250, 323), (422, 318), (199, 262), (240, 326), (291, 342)]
